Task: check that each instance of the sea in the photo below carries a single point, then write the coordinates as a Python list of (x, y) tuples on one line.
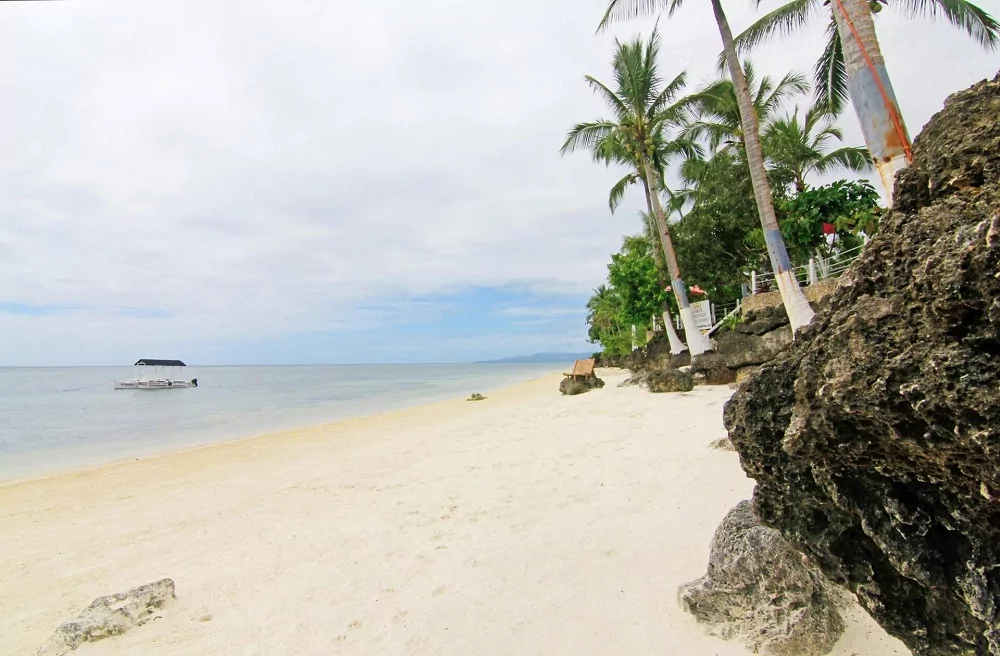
[(56, 419)]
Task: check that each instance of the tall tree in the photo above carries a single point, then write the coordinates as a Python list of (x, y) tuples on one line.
[(803, 147), (718, 113), (852, 62), (796, 305), (643, 108), (613, 150)]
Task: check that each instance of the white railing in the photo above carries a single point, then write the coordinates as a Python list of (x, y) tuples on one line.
[(818, 268)]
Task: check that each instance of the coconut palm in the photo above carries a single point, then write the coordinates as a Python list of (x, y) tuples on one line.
[(612, 150), (830, 74), (603, 309), (796, 305), (718, 113), (802, 148), (643, 108), (852, 63)]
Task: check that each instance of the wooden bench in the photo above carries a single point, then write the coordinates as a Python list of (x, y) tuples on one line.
[(583, 368)]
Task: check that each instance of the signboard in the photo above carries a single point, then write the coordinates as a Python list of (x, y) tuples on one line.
[(702, 313)]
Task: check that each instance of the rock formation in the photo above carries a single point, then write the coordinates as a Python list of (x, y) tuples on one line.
[(669, 380), (761, 590), (875, 438), (573, 386), (109, 616)]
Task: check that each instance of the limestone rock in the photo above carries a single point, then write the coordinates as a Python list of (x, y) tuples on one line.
[(740, 349), (669, 380), (875, 438), (109, 616), (762, 591), (636, 379), (573, 386), (713, 367)]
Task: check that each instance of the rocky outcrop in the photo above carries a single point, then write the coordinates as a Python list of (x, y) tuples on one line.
[(578, 385), (762, 591), (669, 380), (710, 369), (110, 616), (875, 438)]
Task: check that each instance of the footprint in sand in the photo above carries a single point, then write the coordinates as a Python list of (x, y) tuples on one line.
[(356, 624), (441, 591)]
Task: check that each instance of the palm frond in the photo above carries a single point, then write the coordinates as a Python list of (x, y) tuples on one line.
[(617, 104), (587, 135), (782, 21), (853, 158), (830, 76), (963, 14), (622, 10), (618, 190)]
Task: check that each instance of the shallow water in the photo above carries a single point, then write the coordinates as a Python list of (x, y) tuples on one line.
[(59, 418)]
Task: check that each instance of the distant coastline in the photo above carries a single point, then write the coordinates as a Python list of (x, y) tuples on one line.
[(537, 358)]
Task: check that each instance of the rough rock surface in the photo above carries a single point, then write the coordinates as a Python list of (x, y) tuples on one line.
[(109, 616), (875, 438), (710, 369), (741, 349), (573, 386), (669, 380), (761, 590)]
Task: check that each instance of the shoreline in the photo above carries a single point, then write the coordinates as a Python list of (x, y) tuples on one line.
[(11, 482), (450, 528)]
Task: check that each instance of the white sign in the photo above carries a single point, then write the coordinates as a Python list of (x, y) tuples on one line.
[(702, 313)]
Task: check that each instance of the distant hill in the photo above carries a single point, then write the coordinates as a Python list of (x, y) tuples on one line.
[(539, 357)]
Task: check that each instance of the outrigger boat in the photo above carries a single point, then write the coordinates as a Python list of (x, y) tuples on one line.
[(158, 379)]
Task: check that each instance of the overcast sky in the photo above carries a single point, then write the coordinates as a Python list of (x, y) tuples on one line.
[(327, 181)]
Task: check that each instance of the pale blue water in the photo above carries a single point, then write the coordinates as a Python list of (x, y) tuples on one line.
[(54, 419)]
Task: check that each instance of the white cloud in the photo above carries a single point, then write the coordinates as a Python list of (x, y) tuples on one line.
[(257, 169)]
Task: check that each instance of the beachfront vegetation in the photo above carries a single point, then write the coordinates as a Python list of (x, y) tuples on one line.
[(743, 159), (743, 154)]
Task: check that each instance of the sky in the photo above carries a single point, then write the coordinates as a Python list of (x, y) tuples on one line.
[(263, 182)]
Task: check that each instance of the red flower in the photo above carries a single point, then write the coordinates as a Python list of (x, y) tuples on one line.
[(695, 289), (829, 229)]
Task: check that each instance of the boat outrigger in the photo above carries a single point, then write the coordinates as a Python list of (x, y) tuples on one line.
[(159, 379)]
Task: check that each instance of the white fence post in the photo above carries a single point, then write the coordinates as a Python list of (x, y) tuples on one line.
[(812, 271), (753, 282)]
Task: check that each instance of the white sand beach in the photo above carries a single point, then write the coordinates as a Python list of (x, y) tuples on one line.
[(529, 523)]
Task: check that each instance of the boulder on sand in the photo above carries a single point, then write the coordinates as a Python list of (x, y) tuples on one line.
[(761, 591), (109, 616), (571, 386), (875, 438)]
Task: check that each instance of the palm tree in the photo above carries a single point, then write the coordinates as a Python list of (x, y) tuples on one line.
[(802, 148), (719, 121), (852, 63), (643, 109), (796, 305), (603, 308)]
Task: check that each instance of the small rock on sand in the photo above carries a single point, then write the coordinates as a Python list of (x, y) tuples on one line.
[(110, 615)]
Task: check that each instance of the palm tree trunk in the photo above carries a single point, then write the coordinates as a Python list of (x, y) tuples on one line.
[(697, 342), (796, 305), (871, 91), (676, 345)]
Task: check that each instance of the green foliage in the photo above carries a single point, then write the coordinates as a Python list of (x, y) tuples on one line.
[(731, 321), (632, 273), (719, 240), (851, 206)]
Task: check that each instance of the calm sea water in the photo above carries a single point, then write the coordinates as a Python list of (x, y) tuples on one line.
[(54, 419)]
